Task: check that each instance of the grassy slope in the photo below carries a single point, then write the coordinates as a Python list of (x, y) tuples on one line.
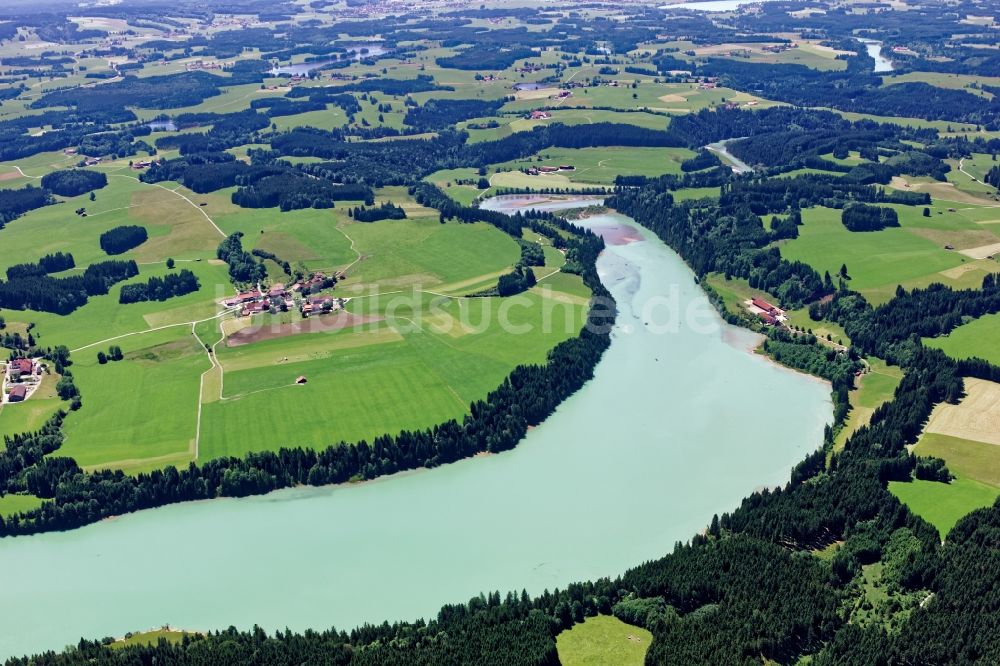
[(603, 640), (876, 387)]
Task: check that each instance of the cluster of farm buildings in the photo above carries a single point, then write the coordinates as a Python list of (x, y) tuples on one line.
[(22, 376), (770, 314), (281, 298), (535, 171)]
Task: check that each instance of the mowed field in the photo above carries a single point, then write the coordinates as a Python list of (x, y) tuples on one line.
[(596, 165), (912, 255), (967, 437), (601, 641), (979, 338), (416, 357), (139, 412), (976, 417), (944, 504)]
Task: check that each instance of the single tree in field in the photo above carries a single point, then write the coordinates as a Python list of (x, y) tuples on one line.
[(843, 271)]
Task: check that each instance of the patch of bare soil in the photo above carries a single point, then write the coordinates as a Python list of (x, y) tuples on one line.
[(316, 324)]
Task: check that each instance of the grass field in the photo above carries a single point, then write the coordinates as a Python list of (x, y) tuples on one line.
[(601, 165), (11, 504), (976, 417), (424, 364), (421, 375), (876, 387), (103, 317), (426, 253), (979, 461), (31, 415), (140, 410), (944, 504), (978, 338), (912, 255), (420, 359), (602, 641)]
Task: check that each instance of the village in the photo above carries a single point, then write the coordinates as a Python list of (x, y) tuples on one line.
[(303, 295)]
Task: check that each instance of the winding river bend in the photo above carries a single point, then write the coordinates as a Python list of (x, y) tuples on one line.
[(674, 427)]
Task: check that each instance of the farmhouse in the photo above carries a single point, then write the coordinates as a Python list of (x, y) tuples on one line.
[(18, 393), (240, 299), (770, 314), (768, 318), (255, 308), (539, 115), (20, 367), (763, 305)]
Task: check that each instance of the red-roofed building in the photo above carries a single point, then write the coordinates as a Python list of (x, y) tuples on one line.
[(245, 297), (20, 367), (764, 305), (18, 393)]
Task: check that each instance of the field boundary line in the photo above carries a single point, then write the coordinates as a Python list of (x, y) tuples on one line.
[(150, 330), (176, 193)]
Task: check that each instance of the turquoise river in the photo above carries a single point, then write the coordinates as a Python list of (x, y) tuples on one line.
[(679, 422)]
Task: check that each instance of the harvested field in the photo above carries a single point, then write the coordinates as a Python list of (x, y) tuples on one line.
[(982, 251), (673, 99), (975, 418), (318, 324)]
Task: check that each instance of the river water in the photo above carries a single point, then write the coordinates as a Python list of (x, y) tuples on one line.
[(874, 48), (674, 427)]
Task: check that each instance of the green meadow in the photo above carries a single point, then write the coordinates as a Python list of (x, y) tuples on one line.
[(944, 504), (423, 363), (141, 409), (421, 360), (601, 165), (875, 387), (601, 641), (32, 414), (978, 338), (11, 504), (426, 254), (508, 124), (911, 255)]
